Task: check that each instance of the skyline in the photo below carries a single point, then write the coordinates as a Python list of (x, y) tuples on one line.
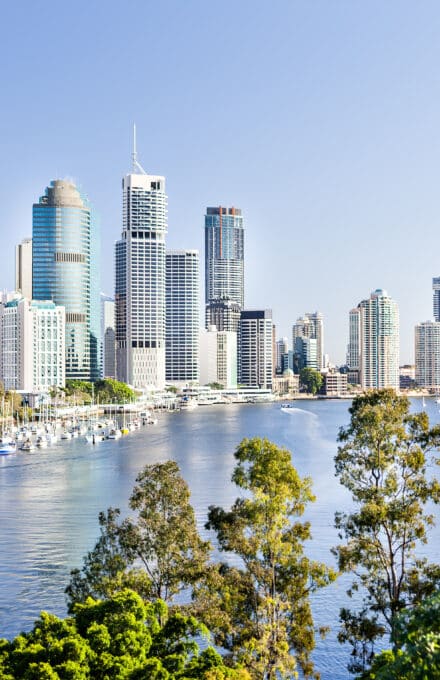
[(318, 121)]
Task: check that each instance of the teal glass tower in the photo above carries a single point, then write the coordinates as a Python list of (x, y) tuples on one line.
[(224, 255), (65, 269)]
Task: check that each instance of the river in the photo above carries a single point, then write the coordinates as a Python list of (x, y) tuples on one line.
[(50, 499)]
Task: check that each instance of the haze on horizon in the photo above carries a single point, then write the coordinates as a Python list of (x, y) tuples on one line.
[(319, 120)]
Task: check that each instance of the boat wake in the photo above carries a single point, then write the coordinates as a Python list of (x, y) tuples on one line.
[(292, 410)]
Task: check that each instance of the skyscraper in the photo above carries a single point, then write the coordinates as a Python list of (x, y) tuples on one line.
[(23, 268), (182, 316), (224, 314), (224, 248), (140, 280), (311, 325), (255, 349), (378, 341), (65, 269)]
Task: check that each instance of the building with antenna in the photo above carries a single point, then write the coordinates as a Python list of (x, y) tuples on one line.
[(140, 279)]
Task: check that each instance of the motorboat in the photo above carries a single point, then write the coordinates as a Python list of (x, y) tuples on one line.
[(66, 435), (41, 442), (7, 447), (28, 445), (114, 433)]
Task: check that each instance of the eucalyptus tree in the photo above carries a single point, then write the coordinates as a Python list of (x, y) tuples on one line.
[(383, 460)]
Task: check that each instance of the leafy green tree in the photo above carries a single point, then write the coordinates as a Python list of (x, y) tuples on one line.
[(261, 611), (382, 461), (417, 632), (158, 552), (310, 379), (119, 638), (109, 390)]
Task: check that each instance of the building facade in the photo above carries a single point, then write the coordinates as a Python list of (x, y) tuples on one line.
[(32, 345), (311, 326), (218, 358), (436, 298), (281, 348), (182, 316), (255, 349), (23, 268), (224, 255), (65, 269), (224, 314), (108, 337), (427, 354), (140, 282), (378, 331)]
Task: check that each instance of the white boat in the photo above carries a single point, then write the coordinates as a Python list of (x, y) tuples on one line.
[(94, 437), (7, 448), (41, 442), (115, 433), (66, 435)]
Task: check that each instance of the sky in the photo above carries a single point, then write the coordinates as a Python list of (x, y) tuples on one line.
[(320, 120)]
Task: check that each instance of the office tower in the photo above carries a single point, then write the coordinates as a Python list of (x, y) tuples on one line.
[(378, 328), (218, 358), (224, 268), (23, 268), (311, 325), (32, 345), (427, 354), (281, 347), (354, 346), (305, 353), (140, 281), (436, 297), (65, 261), (255, 349), (182, 316), (108, 337), (224, 314)]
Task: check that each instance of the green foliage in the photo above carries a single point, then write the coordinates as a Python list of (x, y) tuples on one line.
[(157, 553), (382, 461), (417, 632), (122, 637), (261, 612), (103, 391), (311, 380), (216, 386)]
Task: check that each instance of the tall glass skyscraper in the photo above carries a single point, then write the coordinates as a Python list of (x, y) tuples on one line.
[(140, 282), (65, 269), (224, 250)]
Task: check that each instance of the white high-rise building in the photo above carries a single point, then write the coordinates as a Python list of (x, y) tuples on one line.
[(374, 338), (32, 345), (140, 281), (255, 349), (23, 268), (182, 316), (311, 325), (218, 357), (436, 297), (427, 354)]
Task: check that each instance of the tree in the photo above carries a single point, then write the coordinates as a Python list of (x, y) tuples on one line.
[(261, 611), (383, 461), (417, 632), (109, 390), (121, 637), (310, 379), (158, 552)]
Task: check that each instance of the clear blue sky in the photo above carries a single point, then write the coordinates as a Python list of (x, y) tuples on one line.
[(319, 119)]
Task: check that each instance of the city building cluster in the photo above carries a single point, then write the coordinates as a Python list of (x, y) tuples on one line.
[(56, 325)]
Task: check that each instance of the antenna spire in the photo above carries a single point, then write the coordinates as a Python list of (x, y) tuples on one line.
[(137, 167)]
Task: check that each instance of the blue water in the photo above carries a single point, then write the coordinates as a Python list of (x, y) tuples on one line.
[(50, 499)]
